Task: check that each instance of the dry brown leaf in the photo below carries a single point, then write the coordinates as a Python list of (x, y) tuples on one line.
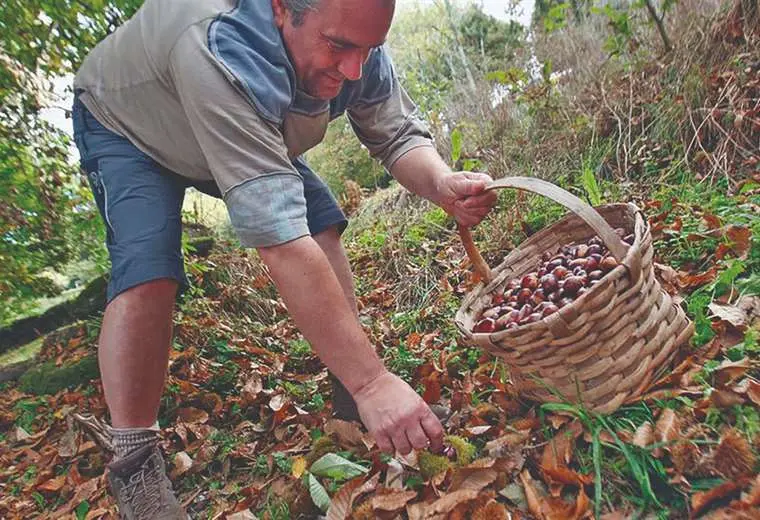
[(192, 415), (507, 443), (729, 371), (730, 313), (245, 514), (393, 501), (725, 398), (277, 402), (565, 475), (472, 478), (753, 391), (558, 452), (700, 501), (531, 494), (342, 502), (448, 502), (394, 477), (614, 515), (53, 485), (67, 445), (644, 435), (667, 429), (252, 388), (182, 464), (346, 433)]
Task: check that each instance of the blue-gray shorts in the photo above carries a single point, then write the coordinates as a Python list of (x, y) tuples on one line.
[(141, 203)]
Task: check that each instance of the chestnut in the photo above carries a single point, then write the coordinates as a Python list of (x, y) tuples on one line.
[(608, 263), (485, 325), (572, 284), (549, 310), (549, 283), (529, 281)]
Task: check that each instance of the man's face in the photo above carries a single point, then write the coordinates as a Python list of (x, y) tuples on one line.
[(333, 41)]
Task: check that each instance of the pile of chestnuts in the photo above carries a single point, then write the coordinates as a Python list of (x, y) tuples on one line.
[(559, 280)]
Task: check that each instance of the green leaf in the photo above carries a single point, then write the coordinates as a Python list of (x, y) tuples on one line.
[(336, 467), (588, 180), (82, 509), (318, 493), (456, 145)]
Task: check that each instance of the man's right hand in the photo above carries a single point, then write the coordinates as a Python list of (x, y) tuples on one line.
[(397, 417)]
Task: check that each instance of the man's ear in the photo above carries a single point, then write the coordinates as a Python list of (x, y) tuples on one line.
[(280, 13)]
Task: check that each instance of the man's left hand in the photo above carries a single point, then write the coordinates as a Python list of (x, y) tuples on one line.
[(463, 195)]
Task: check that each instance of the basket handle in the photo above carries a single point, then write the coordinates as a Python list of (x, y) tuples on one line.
[(613, 242)]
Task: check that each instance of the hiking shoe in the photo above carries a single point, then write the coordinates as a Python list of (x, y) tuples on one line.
[(141, 487)]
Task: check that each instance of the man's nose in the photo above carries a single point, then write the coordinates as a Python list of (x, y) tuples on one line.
[(351, 64)]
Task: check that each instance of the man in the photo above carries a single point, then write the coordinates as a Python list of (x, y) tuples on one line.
[(226, 95)]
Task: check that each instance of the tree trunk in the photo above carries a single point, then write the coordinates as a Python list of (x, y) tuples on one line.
[(660, 26)]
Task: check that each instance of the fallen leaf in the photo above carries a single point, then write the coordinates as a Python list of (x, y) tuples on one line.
[(644, 435), (67, 445), (182, 463), (534, 504), (753, 391), (725, 398), (278, 402), (298, 467), (472, 478), (393, 501), (245, 514), (342, 502), (478, 430), (730, 313), (667, 429), (448, 502), (729, 371), (567, 476), (252, 388), (192, 415), (53, 485), (346, 433), (394, 476), (702, 499)]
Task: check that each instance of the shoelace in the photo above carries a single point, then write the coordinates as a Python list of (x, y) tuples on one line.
[(151, 482)]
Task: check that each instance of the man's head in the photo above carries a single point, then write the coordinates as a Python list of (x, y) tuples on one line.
[(328, 40)]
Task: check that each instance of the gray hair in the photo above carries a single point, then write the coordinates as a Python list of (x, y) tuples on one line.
[(298, 8)]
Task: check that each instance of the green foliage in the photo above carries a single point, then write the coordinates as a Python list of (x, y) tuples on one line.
[(49, 379), (46, 218), (340, 157)]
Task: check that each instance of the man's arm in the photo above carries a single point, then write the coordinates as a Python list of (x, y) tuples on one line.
[(393, 412), (422, 171)]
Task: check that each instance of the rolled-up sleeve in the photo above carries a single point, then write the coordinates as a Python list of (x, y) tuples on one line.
[(246, 154)]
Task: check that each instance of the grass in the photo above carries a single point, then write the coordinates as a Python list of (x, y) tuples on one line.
[(22, 353)]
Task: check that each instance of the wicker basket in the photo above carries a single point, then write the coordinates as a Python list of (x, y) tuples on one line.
[(606, 347)]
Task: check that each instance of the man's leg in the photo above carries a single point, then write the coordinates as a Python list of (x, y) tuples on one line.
[(134, 352), (140, 204)]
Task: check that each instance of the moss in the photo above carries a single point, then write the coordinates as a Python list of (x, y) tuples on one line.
[(431, 465), (49, 379)]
